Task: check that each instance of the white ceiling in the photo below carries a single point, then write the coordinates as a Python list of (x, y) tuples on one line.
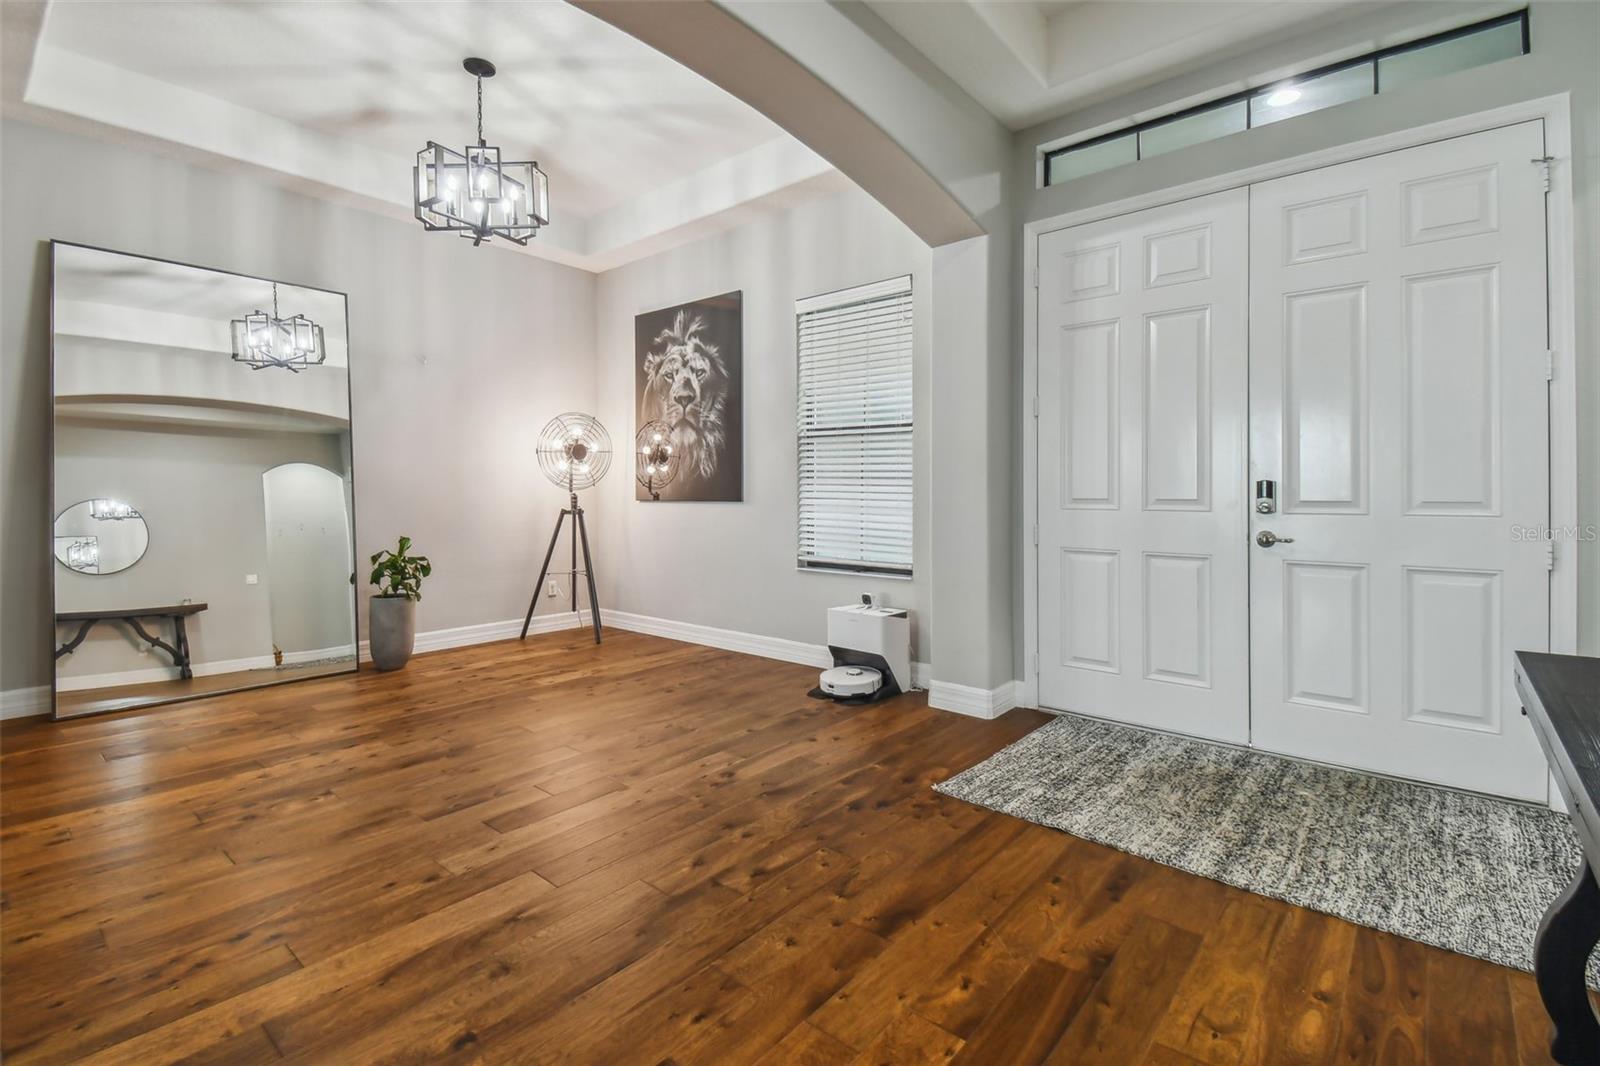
[(1030, 60), (335, 97), (606, 116), (339, 96)]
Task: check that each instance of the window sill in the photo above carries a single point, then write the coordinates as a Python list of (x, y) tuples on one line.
[(843, 572)]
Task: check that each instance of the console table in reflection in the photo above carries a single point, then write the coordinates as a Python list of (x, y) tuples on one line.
[(178, 649)]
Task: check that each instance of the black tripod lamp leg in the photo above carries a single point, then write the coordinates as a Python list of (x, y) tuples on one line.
[(543, 570), (588, 568)]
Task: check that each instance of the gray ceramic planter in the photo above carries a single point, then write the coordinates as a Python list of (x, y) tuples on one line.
[(391, 630)]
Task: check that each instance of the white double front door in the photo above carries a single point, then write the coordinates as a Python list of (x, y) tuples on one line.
[(1368, 338)]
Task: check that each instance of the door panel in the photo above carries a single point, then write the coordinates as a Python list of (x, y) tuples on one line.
[(1325, 400), (1088, 401), (1398, 396), (1142, 525)]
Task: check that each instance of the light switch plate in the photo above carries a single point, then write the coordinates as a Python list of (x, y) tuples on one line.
[(251, 579)]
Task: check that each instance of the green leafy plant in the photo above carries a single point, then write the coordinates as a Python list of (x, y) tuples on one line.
[(396, 573)]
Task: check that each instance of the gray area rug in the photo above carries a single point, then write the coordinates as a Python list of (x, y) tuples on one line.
[(1458, 871)]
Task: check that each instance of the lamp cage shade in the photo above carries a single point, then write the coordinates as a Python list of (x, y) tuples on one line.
[(574, 450), (657, 464)]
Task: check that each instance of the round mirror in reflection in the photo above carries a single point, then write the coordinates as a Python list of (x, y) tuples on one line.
[(100, 536)]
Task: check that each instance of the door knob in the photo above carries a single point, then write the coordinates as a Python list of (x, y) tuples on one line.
[(1267, 538)]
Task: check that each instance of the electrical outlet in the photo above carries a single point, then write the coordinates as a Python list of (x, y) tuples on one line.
[(552, 589), (251, 579)]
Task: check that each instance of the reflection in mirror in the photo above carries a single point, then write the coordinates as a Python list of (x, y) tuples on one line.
[(100, 536), (203, 533)]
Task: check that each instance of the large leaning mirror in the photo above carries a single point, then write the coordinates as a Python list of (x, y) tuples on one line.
[(203, 524)]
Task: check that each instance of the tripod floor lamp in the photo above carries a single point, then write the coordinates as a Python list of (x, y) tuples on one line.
[(575, 453)]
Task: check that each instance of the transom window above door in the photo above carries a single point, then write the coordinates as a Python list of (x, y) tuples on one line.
[(1381, 71)]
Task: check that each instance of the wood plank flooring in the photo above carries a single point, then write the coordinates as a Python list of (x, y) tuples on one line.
[(646, 852)]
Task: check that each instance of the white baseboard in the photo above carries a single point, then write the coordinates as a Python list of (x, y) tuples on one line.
[(24, 702), (780, 648), (160, 673), (149, 674), (789, 651), (484, 632), (977, 702), (316, 655)]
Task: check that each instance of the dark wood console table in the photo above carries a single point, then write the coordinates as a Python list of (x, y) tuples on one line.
[(1561, 696), (178, 649)]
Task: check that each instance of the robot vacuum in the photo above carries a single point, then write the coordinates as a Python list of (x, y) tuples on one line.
[(851, 682)]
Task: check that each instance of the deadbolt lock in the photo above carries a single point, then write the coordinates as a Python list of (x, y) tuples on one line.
[(1266, 497)]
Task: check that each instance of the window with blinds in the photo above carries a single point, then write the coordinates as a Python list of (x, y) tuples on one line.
[(854, 350)]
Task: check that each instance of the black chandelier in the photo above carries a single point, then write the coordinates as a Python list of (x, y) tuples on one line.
[(261, 340), (475, 193)]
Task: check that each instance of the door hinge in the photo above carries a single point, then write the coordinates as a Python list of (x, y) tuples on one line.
[(1036, 533), (1550, 555), (1549, 364), (1543, 163), (1036, 275), (1036, 407), (1036, 662)]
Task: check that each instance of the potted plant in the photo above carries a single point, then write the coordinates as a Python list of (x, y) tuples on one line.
[(392, 628)]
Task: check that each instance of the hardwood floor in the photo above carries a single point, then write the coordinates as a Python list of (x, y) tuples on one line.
[(645, 852)]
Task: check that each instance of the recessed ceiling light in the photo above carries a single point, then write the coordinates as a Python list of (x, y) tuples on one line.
[(1283, 97)]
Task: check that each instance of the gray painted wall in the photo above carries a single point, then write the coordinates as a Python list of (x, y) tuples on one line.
[(732, 565), (200, 493), (972, 510), (458, 356), (1564, 36)]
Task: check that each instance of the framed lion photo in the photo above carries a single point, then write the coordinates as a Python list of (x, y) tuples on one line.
[(689, 379)]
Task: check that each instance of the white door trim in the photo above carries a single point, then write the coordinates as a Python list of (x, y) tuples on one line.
[(1556, 111)]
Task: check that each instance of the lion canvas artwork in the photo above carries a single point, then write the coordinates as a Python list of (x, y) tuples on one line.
[(689, 363)]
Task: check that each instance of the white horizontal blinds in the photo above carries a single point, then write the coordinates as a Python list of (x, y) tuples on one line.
[(854, 351)]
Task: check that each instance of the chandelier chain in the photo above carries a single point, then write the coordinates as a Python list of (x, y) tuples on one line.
[(480, 111), (274, 301)]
